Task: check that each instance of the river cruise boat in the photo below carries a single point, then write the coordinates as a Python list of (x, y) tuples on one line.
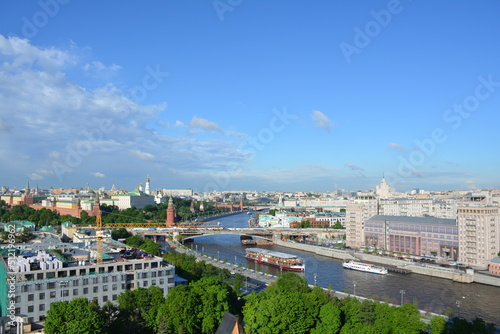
[(277, 259), (370, 268)]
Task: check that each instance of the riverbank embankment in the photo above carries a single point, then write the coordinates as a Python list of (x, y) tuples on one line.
[(418, 268)]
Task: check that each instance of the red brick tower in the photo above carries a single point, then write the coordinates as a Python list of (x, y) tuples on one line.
[(170, 213)]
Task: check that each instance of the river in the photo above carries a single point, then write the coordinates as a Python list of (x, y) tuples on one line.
[(431, 294)]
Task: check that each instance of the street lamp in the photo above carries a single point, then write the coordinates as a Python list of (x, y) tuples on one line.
[(402, 292), (218, 256), (196, 248), (202, 250), (315, 275), (235, 260), (354, 283)]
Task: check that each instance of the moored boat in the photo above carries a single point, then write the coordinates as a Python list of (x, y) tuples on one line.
[(370, 268), (277, 259)]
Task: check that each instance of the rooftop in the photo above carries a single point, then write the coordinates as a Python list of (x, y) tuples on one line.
[(415, 220)]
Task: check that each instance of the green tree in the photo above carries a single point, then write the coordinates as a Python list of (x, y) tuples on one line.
[(139, 309), (179, 313), (438, 325), (134, 241), (74, 317), (329, 320), (120, 233)]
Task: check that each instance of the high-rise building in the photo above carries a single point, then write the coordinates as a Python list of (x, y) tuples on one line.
[(479, 233), (357, 212)]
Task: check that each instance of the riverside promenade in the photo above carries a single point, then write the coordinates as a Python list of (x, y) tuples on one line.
[(233, 268)]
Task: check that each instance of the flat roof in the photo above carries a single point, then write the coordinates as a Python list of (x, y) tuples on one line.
[(414, 220)]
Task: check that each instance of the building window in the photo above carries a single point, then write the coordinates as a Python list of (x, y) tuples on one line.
[(96, 289), (75, 292), (144, 275), (105, 288), (85, 281), (145, 284), (105, 279), (52, 294), (75, 283), (104, 298), (114, 297), (31, 297), (41, 296), (162, 281), (153, 282), (85, 291), (38, 286), (114, 287), (114, 279), (41, 307), (95, 280)]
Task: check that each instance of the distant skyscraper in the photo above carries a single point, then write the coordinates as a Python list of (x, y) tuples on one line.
[(383, 190)]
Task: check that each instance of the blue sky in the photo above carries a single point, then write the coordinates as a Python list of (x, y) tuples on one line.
[(261, 95)]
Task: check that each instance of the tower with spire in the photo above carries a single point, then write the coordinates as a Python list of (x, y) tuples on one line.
[(170, 213)]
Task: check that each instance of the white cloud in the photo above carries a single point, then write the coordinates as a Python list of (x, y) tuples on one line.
[(416, 172), (321, 120), (58, 122), (98, 174), (204, 124), (35, 176), (142, 155), (395, 146), (353, 166)]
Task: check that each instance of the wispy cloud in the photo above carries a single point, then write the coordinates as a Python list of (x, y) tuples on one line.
[(321, 120), (142, 155), (353, 166), (98, 174), (198, 122), (395, 146)]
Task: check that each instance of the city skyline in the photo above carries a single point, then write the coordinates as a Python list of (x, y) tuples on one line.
[(220, 95)]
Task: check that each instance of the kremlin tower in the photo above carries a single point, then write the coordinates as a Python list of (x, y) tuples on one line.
[(170, 213)]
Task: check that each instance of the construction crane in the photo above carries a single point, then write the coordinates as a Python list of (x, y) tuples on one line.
[(99, 226)]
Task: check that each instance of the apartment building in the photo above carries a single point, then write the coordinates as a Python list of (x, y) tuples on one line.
[(36, 278), (479, 233), (357, 212)]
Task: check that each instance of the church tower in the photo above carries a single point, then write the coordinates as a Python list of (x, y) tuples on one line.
[(148, 189), (170, 213)]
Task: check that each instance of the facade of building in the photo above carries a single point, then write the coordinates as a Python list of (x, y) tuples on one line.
[(479, 231), (494, 266), (136, 198), (424, 236), (357, 212), (177, 192), (41, 279)]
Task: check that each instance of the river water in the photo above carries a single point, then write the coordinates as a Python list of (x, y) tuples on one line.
[(431, 294)]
